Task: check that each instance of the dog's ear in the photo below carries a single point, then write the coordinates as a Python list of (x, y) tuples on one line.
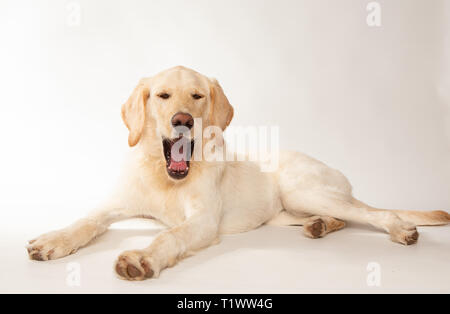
[(221, 111), (133, 111)]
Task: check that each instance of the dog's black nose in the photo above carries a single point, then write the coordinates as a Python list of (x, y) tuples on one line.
[(184, 119)]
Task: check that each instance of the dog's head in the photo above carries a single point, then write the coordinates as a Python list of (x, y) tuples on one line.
[(163, 110)]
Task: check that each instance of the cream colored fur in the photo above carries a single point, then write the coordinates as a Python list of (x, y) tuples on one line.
[(216, 197)]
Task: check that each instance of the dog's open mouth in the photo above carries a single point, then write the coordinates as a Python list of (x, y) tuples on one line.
[(178, 154)]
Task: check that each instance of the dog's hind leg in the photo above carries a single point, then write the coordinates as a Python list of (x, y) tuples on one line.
[(313, 226), (309, 186), (319, 226), (328, 204)]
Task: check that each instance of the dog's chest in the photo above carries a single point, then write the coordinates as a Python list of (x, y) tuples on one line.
[(166, 205)]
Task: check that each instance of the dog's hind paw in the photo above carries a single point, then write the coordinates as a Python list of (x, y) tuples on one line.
[(406, 234), (315, 229)]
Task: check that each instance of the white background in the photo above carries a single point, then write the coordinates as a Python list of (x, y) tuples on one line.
[(373, 102)]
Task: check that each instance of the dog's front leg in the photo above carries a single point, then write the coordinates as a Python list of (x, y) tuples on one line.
[(198, 231), (63, 242)]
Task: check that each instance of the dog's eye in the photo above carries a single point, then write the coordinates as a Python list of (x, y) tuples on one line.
[(164, 95), (197, 96)]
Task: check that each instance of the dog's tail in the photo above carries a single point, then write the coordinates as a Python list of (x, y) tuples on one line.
[(424, 218), (416, 217)]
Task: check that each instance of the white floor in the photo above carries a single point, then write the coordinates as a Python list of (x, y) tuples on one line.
[(267, 260)]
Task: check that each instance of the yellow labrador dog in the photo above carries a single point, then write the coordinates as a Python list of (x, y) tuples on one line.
[(199, 200)]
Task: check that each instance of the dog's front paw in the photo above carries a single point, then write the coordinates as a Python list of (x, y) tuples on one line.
[(405, 234), (50, 246), (134, 265)]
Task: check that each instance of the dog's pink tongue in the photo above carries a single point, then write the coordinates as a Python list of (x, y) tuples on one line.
[(178, 165)]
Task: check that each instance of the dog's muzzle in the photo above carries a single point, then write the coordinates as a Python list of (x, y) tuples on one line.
[(177, 153)]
